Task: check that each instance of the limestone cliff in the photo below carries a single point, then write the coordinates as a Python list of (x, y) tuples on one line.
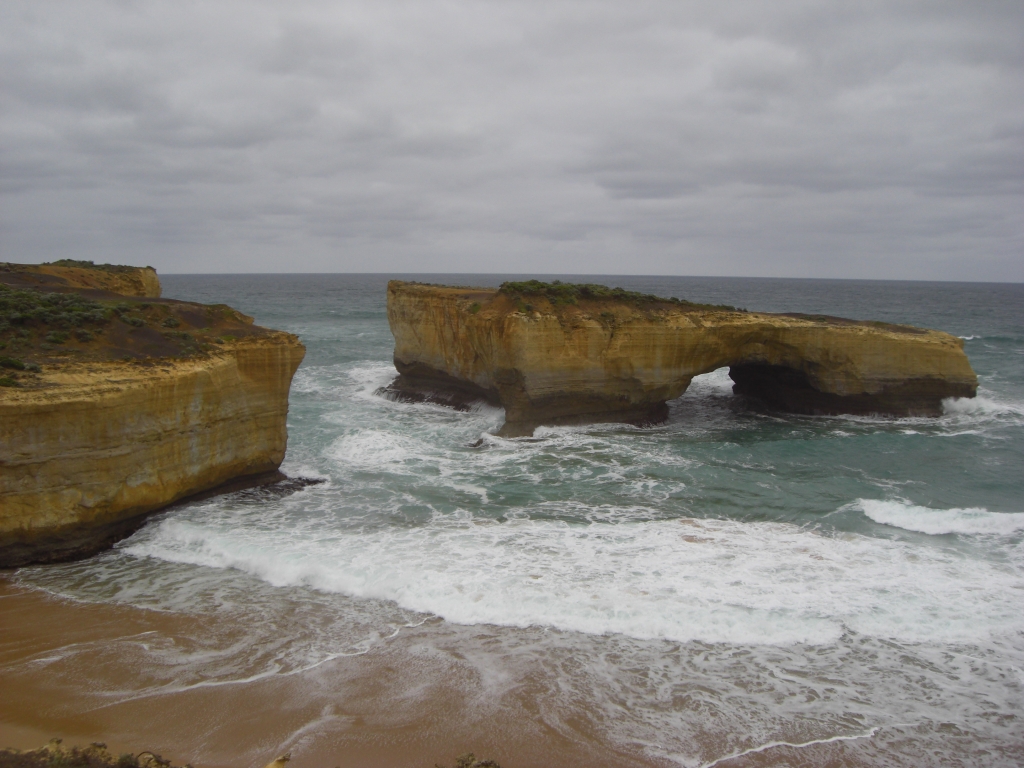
[(111, 408), (76, 275), (554, 358)]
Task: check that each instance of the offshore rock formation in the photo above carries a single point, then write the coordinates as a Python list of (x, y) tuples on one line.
[(584, 354), (135, 405)]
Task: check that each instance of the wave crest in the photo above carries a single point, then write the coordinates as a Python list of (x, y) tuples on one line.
[(936, 522)]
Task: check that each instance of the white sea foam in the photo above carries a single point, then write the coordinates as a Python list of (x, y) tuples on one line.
[(711, 580), (715, 383), (319, 380), (980, 405), (373, 449), (970, 521), (775, 744), (370, 377)]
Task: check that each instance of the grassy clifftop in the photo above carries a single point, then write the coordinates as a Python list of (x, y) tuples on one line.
[(48, 317), (558, 293)]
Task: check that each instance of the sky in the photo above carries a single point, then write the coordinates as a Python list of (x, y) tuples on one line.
[(793, 138)]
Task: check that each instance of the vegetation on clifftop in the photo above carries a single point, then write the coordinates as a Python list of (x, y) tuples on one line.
[(44, 327), (59, 310), (558, 292), (118, 268)]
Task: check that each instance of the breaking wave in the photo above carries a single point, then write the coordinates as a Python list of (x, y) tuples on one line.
[(970, 521)]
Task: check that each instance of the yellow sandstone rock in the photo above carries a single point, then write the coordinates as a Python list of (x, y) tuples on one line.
[(96, 444), (130, 410), (619, 359)]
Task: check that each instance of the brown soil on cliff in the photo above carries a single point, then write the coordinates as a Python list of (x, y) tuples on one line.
[(56, 325)]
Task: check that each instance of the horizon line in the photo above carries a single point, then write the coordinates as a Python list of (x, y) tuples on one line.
[(612, 274)]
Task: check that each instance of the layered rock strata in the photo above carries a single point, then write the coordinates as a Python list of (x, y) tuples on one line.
[(622, 358), (158, 402)]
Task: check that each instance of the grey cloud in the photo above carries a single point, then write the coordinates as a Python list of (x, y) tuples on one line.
[(881, 139)]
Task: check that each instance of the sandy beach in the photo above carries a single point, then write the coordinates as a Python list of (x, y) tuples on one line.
[(59, 681), (410, 703)]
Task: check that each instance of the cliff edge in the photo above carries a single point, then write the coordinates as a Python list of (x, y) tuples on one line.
[(113, 406), (563, 354), (70, 274)]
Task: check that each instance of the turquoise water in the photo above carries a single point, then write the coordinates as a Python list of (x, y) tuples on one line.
[(726, 580)]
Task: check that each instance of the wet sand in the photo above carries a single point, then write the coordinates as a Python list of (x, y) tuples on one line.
[(64, 672), (57, 682)]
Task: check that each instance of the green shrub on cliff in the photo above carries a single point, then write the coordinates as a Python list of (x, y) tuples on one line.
[(558, 292), (58, 310), (81, 264)]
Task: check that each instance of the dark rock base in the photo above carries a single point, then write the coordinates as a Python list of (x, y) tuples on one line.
[(777, 387), (80, 541), (786, 389), (417, 383)]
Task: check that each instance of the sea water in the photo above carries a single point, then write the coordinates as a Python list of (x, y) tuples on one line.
[(730, 580)]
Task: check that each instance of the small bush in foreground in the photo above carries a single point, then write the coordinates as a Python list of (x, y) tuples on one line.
[(54, 755), (469, 760)]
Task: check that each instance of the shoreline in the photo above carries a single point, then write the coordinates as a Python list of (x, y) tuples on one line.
[(303, 713), (421, 697)]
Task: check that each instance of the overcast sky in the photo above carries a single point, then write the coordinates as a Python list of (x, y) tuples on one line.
[(808, 138)]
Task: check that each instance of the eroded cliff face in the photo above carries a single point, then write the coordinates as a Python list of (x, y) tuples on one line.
[(115, 403), (91, 446), (617, 360)]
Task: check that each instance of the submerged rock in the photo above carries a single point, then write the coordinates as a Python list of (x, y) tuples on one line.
[(119, 407), (554, 354)]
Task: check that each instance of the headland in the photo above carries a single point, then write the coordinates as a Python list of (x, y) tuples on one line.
[(114, 405)]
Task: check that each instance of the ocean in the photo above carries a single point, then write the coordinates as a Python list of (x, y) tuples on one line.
[(732, 587)]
